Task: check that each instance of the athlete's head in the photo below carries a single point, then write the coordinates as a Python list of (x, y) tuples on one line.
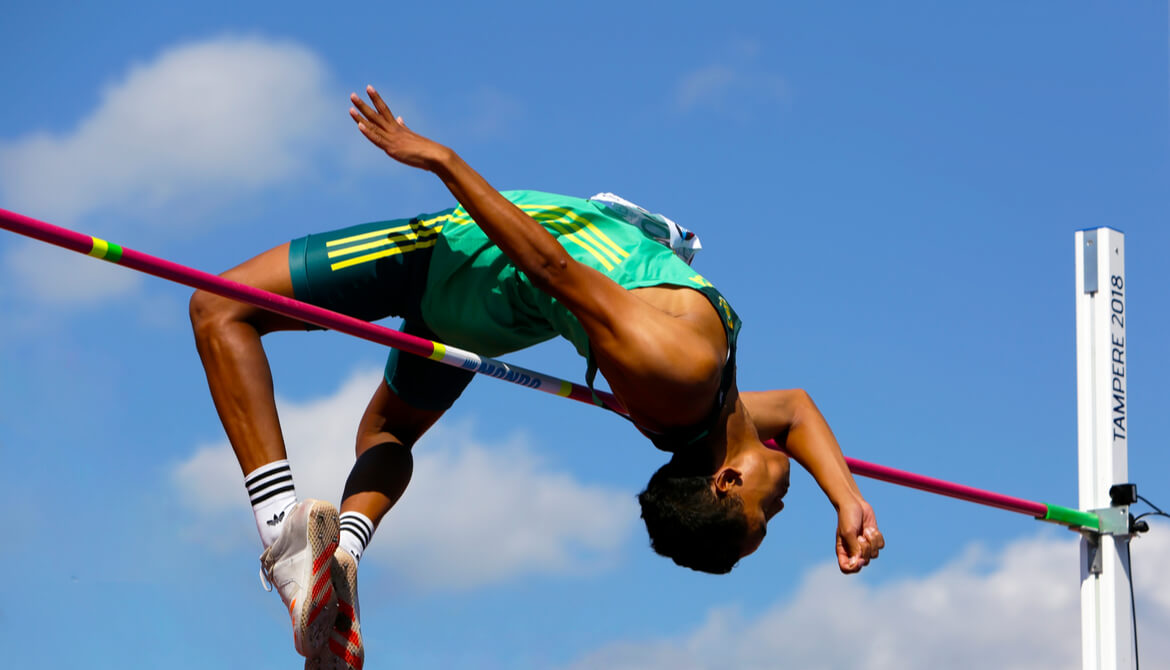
[(708, 521)]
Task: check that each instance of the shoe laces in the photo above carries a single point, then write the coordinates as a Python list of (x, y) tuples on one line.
[(264, 581)]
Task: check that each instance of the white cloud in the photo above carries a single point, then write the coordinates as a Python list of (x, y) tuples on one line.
[(706, 83), (494, 112), (733, 85), (216, 117), (1015, 609), (476, 512), (728, 90)]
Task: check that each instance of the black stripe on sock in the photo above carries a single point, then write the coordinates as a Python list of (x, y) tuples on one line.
[(248, 483), (357, 517), (269, 484), (351, 517), (266, 496), (360, 530), (354, 518)]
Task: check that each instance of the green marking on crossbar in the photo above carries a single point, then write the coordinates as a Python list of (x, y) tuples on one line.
[(1072, 517), (107, 251)]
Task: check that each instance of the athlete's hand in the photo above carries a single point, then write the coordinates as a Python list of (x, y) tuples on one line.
[(390, 134), (858, 537)]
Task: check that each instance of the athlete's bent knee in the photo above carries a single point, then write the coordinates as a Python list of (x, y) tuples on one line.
[(209, 311)]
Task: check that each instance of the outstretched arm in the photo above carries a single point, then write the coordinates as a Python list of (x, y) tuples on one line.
[(626, 333), (793, 420)]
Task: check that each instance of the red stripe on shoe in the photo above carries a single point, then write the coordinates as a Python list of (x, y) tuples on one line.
[(320, 606), (322, 581), (325, 555), (352, 660), (349, 635)]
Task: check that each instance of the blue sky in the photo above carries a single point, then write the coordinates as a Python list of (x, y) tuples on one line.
[(888, 197)]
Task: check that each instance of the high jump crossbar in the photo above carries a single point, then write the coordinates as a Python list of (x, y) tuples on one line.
[(453, 356)]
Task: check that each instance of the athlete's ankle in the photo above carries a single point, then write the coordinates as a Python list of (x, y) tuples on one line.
[(271, 491), (356, 532)]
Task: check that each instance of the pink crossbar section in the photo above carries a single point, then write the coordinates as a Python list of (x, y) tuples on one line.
[(941, 487), (181, 274)]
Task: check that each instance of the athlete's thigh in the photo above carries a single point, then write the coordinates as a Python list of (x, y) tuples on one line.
[(269, 271)]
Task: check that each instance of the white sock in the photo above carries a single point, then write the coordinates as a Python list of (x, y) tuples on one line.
[(356, 531), (270, 488)]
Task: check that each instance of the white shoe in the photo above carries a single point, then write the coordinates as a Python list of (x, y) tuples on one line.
[(298, 565), (344, 650)]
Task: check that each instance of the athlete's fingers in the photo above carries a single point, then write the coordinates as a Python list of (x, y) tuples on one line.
[(845, 562), (849, 548), (848, 552), (363, 121), (361, 105), (379, 104), (864, 550), (859, 558), (371, 116), (372, 132)]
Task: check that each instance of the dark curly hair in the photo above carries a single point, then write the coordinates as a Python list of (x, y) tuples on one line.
[(688, 523)]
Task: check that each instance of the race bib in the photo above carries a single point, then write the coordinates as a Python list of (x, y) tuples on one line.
[(657, 227)]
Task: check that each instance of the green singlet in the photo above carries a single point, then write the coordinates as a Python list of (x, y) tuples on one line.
[(477, 299)]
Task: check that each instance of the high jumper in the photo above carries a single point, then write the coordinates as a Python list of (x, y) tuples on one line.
[(500, 272)]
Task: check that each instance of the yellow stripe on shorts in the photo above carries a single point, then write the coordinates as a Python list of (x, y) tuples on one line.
[(387, 240), (382, 254), (386, 231)]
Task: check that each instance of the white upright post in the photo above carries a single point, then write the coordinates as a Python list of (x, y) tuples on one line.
[(1102, 437)]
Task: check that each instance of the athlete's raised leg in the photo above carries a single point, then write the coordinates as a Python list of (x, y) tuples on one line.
[(413, 394), (299, 539)]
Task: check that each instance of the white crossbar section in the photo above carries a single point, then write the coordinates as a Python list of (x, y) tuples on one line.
[(1102, 437)]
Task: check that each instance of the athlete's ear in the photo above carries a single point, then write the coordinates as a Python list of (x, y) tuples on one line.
[(726, 479)]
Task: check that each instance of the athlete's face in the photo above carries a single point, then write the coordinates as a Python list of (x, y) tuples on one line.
[(760, 478)]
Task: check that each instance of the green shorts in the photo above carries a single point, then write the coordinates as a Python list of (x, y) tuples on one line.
[(372, 271)]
